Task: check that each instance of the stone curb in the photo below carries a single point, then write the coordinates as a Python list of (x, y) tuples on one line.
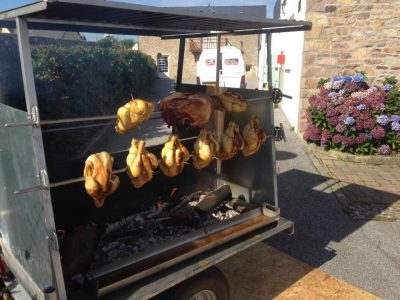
[(336, 187), (363, 159)]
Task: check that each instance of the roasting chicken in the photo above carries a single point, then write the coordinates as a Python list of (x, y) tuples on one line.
[(132, 114), (233, 102), (205, 149), (99, 180), (140, 164), (254, 136), (187, 110), (173, 157), (231, 142)]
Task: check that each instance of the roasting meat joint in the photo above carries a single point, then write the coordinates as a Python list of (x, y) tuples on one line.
[(205, 149), (132, 114), (231, 142), (187, 110), (99, 179), (254, 136), (140, 164), (173, 157), (234, 102)]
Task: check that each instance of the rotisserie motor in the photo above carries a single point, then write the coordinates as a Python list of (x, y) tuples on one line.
[(99, 180), (234, 102), (173, 157), (231, 142), (253, 136), (205, 149), (132, 114), (140, 164), (187, 110)]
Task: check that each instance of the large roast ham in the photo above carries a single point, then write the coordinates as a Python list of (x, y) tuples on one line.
[(188, 110)]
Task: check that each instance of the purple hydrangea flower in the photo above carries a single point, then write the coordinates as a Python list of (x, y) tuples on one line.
[(372, 89), (388, 87), (336, 78), (384, 150), (396, 126), (337, 138), (349, 121), (332, 94), (395, 118), (341, 92), (340, 128), (382, 120), (337, 85), (358, 78), (349, 140), (378, 133), (362, 138), (361, 106), (347, 78), (328, 85)]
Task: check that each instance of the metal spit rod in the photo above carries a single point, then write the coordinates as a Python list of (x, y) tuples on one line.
[(74, 180), (81, 179), (155, 114)]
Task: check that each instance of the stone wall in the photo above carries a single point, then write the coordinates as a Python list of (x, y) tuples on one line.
[(350, 35)]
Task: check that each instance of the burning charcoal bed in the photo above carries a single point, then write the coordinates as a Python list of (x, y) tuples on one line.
[(164, 222), (167, 233)]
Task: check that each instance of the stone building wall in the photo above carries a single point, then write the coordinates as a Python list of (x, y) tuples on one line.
[(154, 46), (350, 35)]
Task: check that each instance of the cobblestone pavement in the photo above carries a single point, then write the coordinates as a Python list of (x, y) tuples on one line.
[(367, 191)]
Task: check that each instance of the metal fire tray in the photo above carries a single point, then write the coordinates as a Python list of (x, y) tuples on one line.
[(123, 272)]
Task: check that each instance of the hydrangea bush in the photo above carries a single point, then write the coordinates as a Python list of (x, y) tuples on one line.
[(349, 115)]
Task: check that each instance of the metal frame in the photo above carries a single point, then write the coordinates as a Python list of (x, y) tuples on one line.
[(31, 101)]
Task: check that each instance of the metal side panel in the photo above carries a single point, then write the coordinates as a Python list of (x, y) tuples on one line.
[(22, 217)]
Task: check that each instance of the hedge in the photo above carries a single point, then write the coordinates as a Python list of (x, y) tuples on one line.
[(88, 80)]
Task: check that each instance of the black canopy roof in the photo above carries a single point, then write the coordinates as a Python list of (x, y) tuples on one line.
[(123, 18)]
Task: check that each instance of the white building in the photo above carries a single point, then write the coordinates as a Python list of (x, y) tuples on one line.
[(288, 76)]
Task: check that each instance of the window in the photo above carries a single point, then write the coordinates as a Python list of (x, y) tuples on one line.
[(210, 62), (163, 64), (231, 61)]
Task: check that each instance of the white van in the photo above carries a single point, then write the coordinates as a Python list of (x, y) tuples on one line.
[(233, 68)]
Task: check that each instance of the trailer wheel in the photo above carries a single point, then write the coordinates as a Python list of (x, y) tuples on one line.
[(210, 284)]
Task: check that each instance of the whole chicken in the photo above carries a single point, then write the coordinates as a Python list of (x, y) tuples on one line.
[(99, 180), (205, 149), (231, 142), (140, 164), (254, 136), (173, 157), (234, 102), (187, 110), (132, 114)]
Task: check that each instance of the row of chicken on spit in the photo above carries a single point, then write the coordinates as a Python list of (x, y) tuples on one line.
[(184, 111)]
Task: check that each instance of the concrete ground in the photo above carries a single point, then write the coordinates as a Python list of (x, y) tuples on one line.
[(363, 253)]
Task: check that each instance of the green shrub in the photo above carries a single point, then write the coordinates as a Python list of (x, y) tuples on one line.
[(88, 80)]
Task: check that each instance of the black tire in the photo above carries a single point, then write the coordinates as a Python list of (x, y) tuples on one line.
[(211, 279)]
